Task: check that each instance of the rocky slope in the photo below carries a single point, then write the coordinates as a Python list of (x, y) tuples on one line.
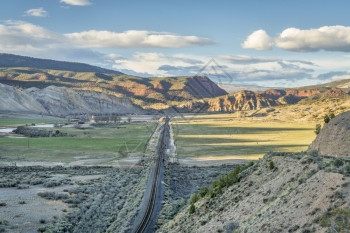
[(334, 138), (242, 100), (279, 193), (59, 101)]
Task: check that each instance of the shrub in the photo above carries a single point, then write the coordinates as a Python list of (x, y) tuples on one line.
[(194, 198), (326, 119), (192, 209), (338, 163), (347, 169), (317, 129), (271, 165), (203, 191)]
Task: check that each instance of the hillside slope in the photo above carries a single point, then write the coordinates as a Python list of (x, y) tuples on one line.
[(11, 60), (334, 138), (297, 193), (62, 101)]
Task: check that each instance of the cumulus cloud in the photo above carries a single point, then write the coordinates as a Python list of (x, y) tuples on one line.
[(29, 39), (23, 36), (157, 64), (258, 40), (328, 38), (36, 12), (77, 2), (134, 39)]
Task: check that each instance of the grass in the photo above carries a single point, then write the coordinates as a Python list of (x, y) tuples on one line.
[(11, 122), (97, 142), (223, 136)]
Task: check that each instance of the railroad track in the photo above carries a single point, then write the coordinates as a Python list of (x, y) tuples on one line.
[(155, 183)]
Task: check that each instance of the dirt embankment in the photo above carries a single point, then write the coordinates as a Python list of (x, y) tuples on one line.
[(279, 193)]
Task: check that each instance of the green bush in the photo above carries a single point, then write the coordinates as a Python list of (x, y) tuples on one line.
[(317, 129), (338, 163), (271, 165), (326, 119), (192, 209), (203, 191), (194, 198)]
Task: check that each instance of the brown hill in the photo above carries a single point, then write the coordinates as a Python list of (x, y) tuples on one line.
[(154, 93), (334, 138)]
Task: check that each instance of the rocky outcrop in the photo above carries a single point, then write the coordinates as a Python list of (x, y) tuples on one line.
[(243, 100), (334, 138), (336, 92)]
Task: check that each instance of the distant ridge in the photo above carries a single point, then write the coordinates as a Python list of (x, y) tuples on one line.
[(11, 60)]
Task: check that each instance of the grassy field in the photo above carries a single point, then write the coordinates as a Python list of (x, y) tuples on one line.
[(95, 143), (11, 122), (222, 136)]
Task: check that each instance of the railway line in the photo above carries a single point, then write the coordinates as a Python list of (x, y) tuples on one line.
[(144, 224)]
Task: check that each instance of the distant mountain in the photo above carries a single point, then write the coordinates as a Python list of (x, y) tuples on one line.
[(10, 60), (184, 94)]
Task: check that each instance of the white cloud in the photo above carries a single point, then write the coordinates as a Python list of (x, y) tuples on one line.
[(77, 2), (329, 38), (28, 39), (225, 69), (36, 12), (134, 39), (258, 40), (150, 64)]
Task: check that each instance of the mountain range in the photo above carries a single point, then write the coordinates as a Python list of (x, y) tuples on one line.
[(61, 88)]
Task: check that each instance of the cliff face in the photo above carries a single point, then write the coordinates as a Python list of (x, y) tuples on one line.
[(62, 101), (334, 138), (243, 100)]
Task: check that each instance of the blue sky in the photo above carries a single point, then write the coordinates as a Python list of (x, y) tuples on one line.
[(269, 43)]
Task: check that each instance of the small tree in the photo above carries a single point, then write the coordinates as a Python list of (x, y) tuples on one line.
[(194, 198), (271, 165), (318, 129), (192, 209), (326, 119), (203, 191)]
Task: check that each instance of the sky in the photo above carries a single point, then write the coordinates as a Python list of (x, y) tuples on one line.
[(270, 43)]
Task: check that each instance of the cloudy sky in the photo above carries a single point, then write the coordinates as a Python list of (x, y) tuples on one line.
[(269, 43)]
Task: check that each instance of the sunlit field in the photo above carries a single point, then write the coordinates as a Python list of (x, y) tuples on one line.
[(110, 142), (222, 136)]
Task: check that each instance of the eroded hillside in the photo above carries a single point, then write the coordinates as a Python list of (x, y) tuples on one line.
[(279, 193)]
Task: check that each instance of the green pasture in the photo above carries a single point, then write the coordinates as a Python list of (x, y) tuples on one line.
[(115, 141)]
